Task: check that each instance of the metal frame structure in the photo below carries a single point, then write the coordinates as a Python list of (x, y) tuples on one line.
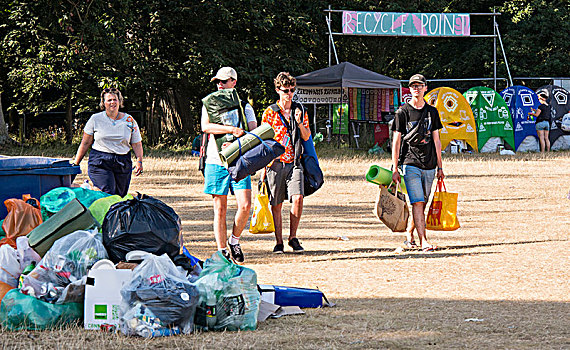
[(496, 35)]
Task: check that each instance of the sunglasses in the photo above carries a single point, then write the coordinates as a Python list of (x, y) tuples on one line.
[(224, 81), (107, 90), (417, 86), (286, 91)]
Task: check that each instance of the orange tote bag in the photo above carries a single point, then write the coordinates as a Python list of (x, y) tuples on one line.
[(442, 214)]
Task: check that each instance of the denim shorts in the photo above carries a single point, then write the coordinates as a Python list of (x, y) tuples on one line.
[(217, 180), (418, 183), (543, 125)]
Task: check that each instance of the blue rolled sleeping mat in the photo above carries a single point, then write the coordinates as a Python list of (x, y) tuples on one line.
[(255, 159)]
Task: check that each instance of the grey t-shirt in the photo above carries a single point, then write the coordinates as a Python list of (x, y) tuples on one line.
[(113, 136)]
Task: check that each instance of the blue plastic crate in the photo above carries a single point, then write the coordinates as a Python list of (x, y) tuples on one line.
[(33, 175)]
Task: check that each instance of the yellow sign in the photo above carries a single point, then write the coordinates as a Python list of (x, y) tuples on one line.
[(456, 116)]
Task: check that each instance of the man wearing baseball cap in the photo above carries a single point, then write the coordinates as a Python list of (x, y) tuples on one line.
[(217, 179), (224, 74), (416, 148)]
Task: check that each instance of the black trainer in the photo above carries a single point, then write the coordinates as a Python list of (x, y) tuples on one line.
[(294, 243), (278, 249), (237, 254), (226, 254)]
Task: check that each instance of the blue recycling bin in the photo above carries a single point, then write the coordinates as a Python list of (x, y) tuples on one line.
[(33, 175)]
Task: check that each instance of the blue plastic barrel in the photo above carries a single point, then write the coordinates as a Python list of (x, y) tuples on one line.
[(33, 175)]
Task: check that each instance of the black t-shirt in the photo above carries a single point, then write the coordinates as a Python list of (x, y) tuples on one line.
[(422, 154), (544, 113)]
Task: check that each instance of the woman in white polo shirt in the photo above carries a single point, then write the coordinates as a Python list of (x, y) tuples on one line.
[(111, 135)]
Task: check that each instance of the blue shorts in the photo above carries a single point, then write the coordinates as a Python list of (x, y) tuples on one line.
[(217, 180), (418, 183), (543, 125)]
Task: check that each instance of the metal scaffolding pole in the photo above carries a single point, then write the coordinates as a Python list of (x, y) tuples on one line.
[(504, 54), (494, 51)]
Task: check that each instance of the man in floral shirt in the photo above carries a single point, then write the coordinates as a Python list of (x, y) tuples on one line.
[(285, 174)]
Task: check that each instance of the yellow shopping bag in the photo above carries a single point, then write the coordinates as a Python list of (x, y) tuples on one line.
[(442, 214), (261, 219)]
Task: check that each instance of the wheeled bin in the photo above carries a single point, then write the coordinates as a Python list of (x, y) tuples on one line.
[(33, 175)]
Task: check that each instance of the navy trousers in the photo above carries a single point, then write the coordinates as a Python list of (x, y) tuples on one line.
[(110, 172)]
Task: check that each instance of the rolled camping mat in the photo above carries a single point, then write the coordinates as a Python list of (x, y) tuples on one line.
[(247, 141), (381, 176)]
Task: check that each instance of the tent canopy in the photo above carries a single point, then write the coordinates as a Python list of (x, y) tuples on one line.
[(349, 75)]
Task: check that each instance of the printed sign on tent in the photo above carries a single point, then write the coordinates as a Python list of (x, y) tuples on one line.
[(559, 101), (455, 114), (340, 119), (520, 101), (406, 95), (319, 95), (492, 116)]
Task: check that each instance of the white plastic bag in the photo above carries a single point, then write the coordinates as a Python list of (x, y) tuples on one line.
[(26, 253), (58, 277), (9, 265)]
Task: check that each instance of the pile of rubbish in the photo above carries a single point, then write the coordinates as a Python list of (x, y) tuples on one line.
[(119, 264)]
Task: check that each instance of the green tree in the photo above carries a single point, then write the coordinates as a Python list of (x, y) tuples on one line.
[(51, 57), (536, 37), (162, 53)]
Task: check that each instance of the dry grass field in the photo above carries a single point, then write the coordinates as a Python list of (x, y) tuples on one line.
[(499, 282)]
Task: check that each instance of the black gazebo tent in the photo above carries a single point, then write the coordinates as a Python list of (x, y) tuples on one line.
[(346, 75)]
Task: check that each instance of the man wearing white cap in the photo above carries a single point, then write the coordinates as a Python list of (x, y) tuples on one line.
[(217, 179)]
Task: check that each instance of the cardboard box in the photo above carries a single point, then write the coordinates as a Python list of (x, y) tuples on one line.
[(103, 297)]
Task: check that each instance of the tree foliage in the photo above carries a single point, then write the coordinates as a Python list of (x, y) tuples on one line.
[(57, 55)]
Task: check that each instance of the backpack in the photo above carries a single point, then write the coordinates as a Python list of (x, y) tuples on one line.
[(205, 136), (203, 147), (224, 107), (305, 153)]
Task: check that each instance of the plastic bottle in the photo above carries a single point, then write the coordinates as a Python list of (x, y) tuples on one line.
[(211, 317), (86, 185)]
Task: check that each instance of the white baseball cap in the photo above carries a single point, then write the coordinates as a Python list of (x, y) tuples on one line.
[(225, 73)]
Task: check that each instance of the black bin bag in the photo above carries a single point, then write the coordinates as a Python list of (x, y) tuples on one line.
[(143, 223)]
